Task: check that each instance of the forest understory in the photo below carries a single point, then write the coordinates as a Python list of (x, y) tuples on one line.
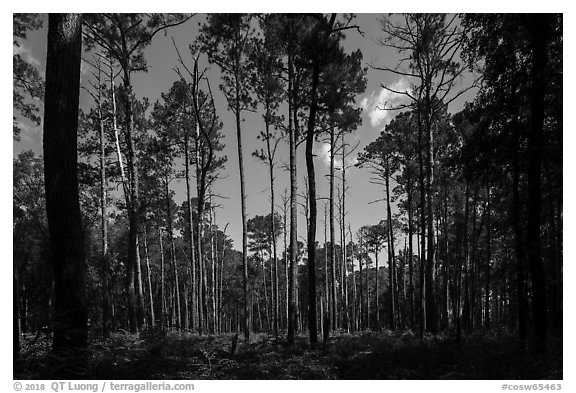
[(488, 354)]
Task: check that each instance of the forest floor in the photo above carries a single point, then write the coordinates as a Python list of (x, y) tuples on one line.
[(369, 355)]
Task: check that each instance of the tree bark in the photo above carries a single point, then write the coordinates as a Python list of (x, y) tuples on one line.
[(191, 254), (293, 271), (104, 217), (61, 181), (312, 328), (333, 306)]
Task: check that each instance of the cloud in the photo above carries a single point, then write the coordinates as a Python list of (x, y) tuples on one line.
[(25, 54), (375, 103), (323, 151)]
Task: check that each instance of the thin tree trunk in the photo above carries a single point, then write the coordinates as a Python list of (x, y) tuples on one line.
[(149, 276), (487, 267), (243, 207), (519, 248), (191, 251), (422, 248), (293, 271), (333, 306), (104, 216), (312, 328), (178, 314), (354, 288), (139, 287), (162, 282), (212, 267), (360, 252), (391, 256), (410, 253), (431, 318)]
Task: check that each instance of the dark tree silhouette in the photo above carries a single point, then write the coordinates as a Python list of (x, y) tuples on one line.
[(60, 174)]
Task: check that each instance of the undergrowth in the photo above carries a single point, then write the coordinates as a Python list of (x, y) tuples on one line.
[(367, 355)]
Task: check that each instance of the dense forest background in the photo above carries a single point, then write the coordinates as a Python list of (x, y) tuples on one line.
[(466, 253)]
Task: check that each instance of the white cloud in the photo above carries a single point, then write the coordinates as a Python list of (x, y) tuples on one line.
[(323, 151), (26, 54), (375, 103)]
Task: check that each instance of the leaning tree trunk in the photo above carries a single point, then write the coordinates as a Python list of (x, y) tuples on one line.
[(61, 181)]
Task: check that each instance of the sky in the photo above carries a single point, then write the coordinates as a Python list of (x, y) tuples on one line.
[(161, 57)]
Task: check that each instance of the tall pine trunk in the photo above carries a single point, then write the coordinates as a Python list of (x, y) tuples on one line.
[(312, 328), (149, 279), (189, 221), (61, 181), (333, 307), (293, 270), (104, 217), (431, 318), (391, 256)]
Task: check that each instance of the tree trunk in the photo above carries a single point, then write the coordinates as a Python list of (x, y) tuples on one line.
[(391, 256), (360, 308), (139, 287), (134, 320), (192, 256), (312, 328), (104, 217), (293, 271), (518, 247), (539, 26), (61, 181), (333, 307), (431, 313), (354, 288), (487, 267), (149, 277), (410, 253), (243, 207), (422, 248), (16, 322), (213, 266), (173, 257), (162, 283)]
